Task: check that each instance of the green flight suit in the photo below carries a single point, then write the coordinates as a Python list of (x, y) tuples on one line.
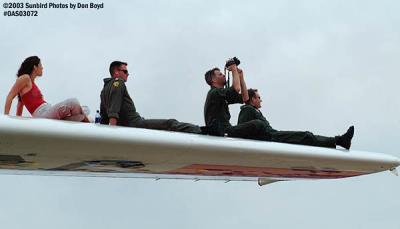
[(216, 112), (248, 112), (116, 103)]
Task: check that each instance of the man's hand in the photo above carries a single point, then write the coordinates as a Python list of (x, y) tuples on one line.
[(243, 87), (235, 77), (232, 68)]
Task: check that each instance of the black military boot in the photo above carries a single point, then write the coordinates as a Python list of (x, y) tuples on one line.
[(345, 140)]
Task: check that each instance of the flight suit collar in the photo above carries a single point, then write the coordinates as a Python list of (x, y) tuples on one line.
[(248, 105), (107, 80)]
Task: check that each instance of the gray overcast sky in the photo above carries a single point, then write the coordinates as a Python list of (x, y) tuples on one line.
[(319, 66)]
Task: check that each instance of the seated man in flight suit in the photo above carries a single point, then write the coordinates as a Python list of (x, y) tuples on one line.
[(216, 110), (251, 111), (117, 107)]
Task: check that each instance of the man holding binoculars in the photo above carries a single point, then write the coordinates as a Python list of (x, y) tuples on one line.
[(252, 124), (216, 110)]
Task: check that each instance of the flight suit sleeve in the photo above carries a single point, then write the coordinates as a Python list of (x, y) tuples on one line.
[(247, 114), (116, 98), (230, 95)]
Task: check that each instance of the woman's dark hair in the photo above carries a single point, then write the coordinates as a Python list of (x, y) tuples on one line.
[(27, 66)]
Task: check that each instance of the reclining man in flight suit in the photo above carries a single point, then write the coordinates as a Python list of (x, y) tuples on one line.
[(216, 110), (117, 107), (251, 111)]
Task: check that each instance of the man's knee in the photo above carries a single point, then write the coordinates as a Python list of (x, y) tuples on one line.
[(172, 122), (250, 129), (309, 137), (258, 125), (308, 134)]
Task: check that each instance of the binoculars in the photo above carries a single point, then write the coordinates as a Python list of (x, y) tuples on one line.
[(228, 63), (231, 61)]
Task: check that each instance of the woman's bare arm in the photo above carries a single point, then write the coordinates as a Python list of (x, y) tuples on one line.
[(20, 84), (20, 108)]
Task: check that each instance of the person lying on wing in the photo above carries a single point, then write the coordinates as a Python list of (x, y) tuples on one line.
[(250, 111)]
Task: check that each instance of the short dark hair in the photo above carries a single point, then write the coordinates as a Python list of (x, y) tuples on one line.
[(116, 64), (252, 93), (209, 74)]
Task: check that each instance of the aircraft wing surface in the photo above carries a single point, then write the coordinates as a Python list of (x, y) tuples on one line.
[(42, 146)]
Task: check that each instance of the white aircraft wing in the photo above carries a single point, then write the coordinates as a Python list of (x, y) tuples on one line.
[(51, 147)]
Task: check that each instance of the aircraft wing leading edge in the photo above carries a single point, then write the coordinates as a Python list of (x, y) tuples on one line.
[(49, 146)]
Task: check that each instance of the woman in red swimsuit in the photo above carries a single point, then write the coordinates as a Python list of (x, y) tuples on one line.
[(30, 96)]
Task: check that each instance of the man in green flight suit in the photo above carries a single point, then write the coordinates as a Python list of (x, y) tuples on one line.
[(251, 111), (117, 107), (216, 110)]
